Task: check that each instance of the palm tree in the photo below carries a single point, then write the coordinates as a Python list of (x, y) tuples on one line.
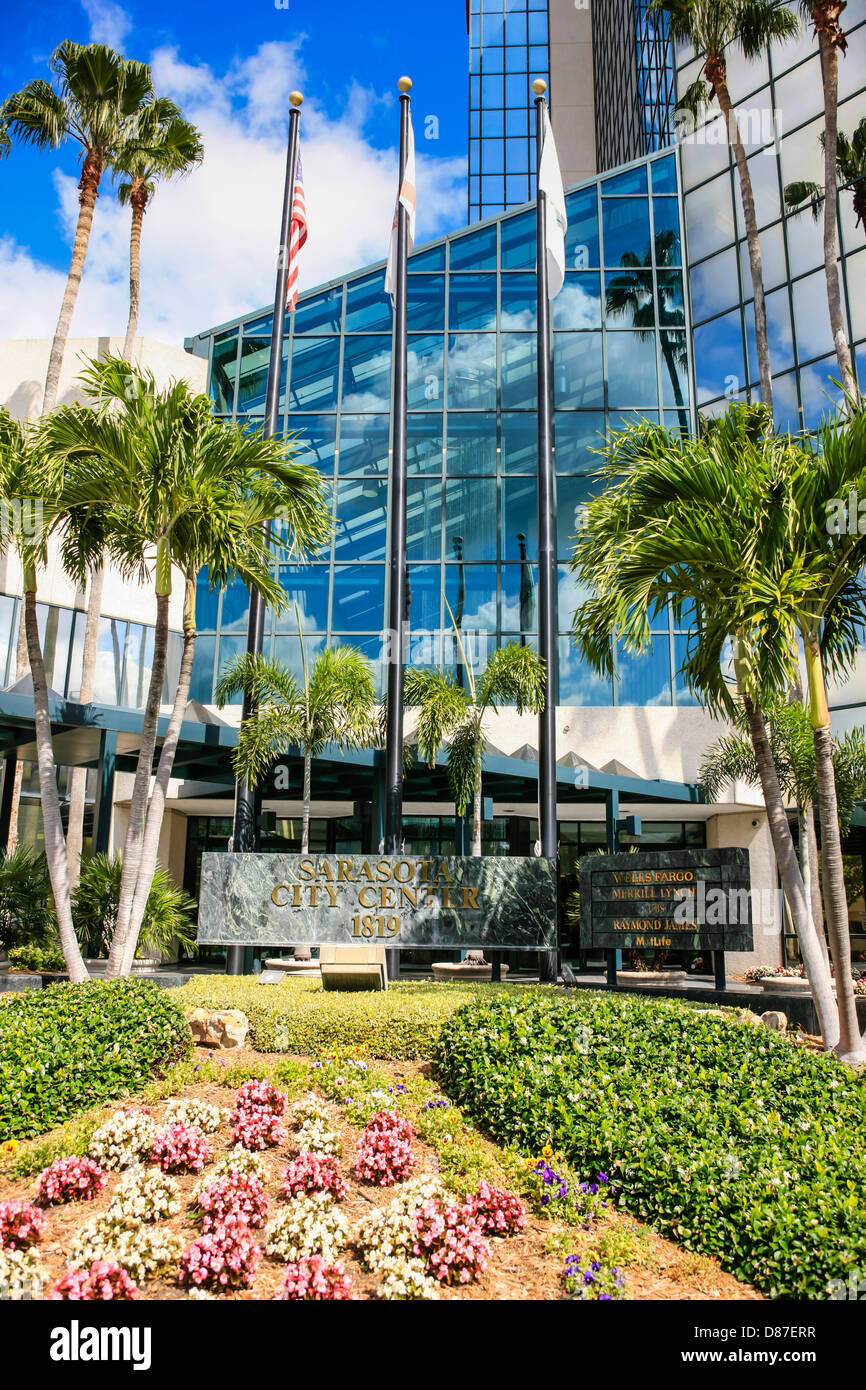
[(631, 297), (825, 16), (334, 703), (732, 758), (99, 94), (25, 475), (715, 28), (159, 144), (449, 713), (181, 491), (163, 145), (707, 522), (850, 174)]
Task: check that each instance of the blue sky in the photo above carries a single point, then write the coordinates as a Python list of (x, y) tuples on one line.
[(208, 248)]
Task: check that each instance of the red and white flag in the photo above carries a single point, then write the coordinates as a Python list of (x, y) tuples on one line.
[(408, 199), (297, 237)]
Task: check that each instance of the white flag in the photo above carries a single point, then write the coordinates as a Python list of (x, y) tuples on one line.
[(407, 198), (555, 220)]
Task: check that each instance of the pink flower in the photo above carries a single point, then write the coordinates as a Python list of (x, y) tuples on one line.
[(21, 1224), (310, 1173), (238, 1195), (180, 1149), (102, 1282), (261, 1095), (226, 1257), (498, 1213), (71, 1179), (452, 1242), (258, 1129), (314, 1279), (384, 1151)]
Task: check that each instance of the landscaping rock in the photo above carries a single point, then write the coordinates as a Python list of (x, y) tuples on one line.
[(225, 1028), (774, 1018)]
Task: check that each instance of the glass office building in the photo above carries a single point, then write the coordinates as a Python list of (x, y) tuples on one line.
[(508, 50), (620, 349), (780, 102), (634, 81)]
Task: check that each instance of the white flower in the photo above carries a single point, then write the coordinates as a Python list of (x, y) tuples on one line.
[(190, 1111), (144, 1250), (406, 1278), (310, 1224), (235, 1160), (145, 1194), (125, 1139), (21, 1275), (315, 1136)]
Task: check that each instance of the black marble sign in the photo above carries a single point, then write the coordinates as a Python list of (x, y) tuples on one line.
[(688, 900), (331, 899)]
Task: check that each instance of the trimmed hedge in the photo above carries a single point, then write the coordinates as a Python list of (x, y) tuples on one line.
[(403, 1022), (68, 1047), (728, 1137)]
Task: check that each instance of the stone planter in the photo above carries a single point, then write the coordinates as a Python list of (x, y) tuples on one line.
[(785, 984), (654, 979)]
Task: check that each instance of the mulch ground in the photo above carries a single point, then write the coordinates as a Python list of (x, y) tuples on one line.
[(522, 1267)]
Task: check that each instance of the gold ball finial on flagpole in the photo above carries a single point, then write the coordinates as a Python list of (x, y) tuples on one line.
[(296, 98), (539, 86), (405, 84)]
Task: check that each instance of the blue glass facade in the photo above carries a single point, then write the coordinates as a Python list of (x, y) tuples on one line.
[(508, 49), (621, 347), (633, 63)]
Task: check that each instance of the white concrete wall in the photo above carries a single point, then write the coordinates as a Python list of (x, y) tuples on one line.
[(23, 364), (572, 91)]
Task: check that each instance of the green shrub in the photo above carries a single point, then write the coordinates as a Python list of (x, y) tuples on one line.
[(68, 1047), (168, 915), (299, 1016), (35, 957), (727, 1137), (26, 906)]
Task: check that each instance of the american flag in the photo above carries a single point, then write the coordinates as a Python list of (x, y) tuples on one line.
[(297, 237)]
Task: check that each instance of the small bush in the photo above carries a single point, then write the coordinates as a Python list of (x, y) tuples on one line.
[(35, 957), (21, 1224), (298, 1016), (70, 1047), (71, 1179), (225, 1258), (180, 1149), (729, 1138)]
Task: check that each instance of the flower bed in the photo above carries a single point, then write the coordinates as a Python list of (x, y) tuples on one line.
[(267, 1235)]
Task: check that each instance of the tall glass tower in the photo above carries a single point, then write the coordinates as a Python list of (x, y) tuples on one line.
[(508, 49)]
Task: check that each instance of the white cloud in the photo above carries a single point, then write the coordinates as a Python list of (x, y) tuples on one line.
[(209, 242), (109, 23)]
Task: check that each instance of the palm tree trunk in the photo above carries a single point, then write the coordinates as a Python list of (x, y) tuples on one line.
[(850, 1047), (815, 883), (21, 666), (90, 175), (476, 819), (156, 809), (134, 274), (308, 788), (141, 787), (55, 849), (792, 880), (830, 56), (762, 343), (78, 783), (671, 364)]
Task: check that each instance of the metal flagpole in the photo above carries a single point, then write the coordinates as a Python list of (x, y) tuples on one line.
[(548, 964), (397, 545), (248, 798)]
